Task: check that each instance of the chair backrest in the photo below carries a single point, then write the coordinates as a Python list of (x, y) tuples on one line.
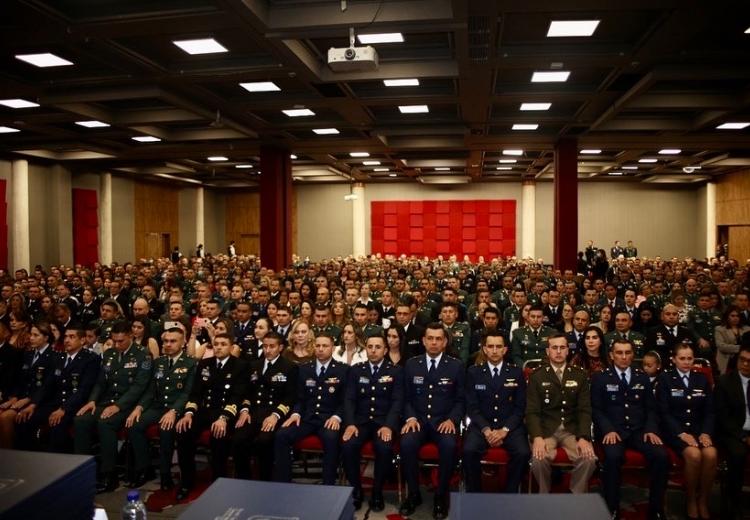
[(529, 366), (703, 366)]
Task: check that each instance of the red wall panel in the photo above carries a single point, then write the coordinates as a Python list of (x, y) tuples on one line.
[(445, 227), (85, 227)]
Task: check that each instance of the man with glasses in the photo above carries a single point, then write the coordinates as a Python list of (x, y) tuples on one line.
[(558, 414), (732, 397)]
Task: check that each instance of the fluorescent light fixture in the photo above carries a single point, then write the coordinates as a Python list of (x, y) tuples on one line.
[(561, 28), (409, 82), (630, 167), (512, 151), (550, 76), (18, 103), (8, 130), (508, 161), (45, 59), (367, 39), (92, 124), (359, 154), (243, 166), (392, 175), (733, 126), (381, 169), (535, 106), (200, 46), (371, 163), (413, 109), (647, 160), (146, 139), (505, 168), (747, 31), (260, 86), (614, 173), (443, 169), (591, 151), (669, 151), (175, 178), (325, 131), (520, 126), (299, 112), (217, 158), (292, 156)]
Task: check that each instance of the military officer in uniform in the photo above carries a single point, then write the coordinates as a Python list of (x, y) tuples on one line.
[(685, 405), (495, 404), (75, 374), (125, 375), (460, 333), (528, 342), (322, 323), (413, 332), (163, 402), (109, 312), (625, 417), (590, 305), (702, 321), (513, 312), (663, 338), (624, 330), (434, 408), (269, 399), (219, 382), (558, 414), (319, 410), (373, 404)]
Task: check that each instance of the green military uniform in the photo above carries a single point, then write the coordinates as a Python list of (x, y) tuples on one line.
[(534, 299), (592, 310), (460, 340), (425, 313), (525, 344), (501, 299), (657, 301), (510, 315), (331, 329), (702, 323), (636, 338), (371, 329), (168, 389), (122, 381), (105, 329)]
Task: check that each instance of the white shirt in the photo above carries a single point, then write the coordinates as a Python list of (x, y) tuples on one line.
[(626, 372), (492, 368), (744, 380), (437, 360)]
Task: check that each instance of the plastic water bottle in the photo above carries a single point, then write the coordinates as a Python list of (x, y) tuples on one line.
[(134, 509)]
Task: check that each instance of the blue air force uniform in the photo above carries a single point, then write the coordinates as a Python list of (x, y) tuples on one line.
[(319, 397), (372, 400), (434, 393), (34, 383), (495, 401), (628, 408), (684, 408)]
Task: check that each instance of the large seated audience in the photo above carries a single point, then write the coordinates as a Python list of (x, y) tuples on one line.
[(591, 367)]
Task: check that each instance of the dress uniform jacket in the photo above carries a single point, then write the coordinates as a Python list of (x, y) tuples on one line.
[(319, 398), (88, 312), (122, 379), (433, 397), (414, 346), (460, 339), (636, 338), (703, 322), (495, 402), (169, 388), (623, 409), (216, 391), (684, 409), (659, 338), (35, 378), (331, 329), (272, 392), (11, 359), (378, 399), (592, 310), (72, 385), (550, 403), (525, 344)]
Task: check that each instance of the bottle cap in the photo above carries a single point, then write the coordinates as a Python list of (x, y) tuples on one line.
[(133, 496)]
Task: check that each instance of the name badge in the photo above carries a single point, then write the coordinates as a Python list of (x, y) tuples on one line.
[(364, 380), (570, 384), (613, 388), (385, 379), (510, 384), (279, 378), (678, 392), (480, 387), (310, 383), (130, 364), (418, 380)]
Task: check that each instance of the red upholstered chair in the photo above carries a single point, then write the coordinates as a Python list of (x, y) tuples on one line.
[(310, 445), (368, 454), (495, 458), (428, 457), (703, 366), (529, 366)]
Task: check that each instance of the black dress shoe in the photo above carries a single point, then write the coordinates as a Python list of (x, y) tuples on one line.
[(409, 505), (109, 484), (139, 480), (376, 503), (440, 508), (357, 497), (182, 493), (166, 482)]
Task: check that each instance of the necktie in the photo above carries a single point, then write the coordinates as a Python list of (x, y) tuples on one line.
[(171, 363), (218, 365), (266, 366), (559, 373), (536, 333), (375, 369), (624, 378), (322, 370), (433, 365), (35, 359), (495, 373), (67, 361), (686, 381)]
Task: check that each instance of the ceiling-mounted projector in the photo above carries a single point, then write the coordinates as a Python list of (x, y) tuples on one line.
[(352, 58)]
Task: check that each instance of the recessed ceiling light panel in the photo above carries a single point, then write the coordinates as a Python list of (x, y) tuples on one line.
[(407, 82), (647, 160), (669, 151), (535, 106), (563, 28), (590, 151), (8, 130), (550, 76), (45, 59), (217, 158), (368, 39), (146, 139), (733, 126), (325, 131), (18, 103), (512, 151), (359, 154), (260, 86), (244, 166), (200, 46), (524, 126), (92, 124), (414, 109), (299, 112), (371, 163)]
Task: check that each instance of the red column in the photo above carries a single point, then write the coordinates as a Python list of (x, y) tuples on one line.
[(566, 204), (275, 207)]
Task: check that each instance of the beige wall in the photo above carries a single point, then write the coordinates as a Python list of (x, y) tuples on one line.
[(186, 215), (123, 221), (324, 221), (214, 212)]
